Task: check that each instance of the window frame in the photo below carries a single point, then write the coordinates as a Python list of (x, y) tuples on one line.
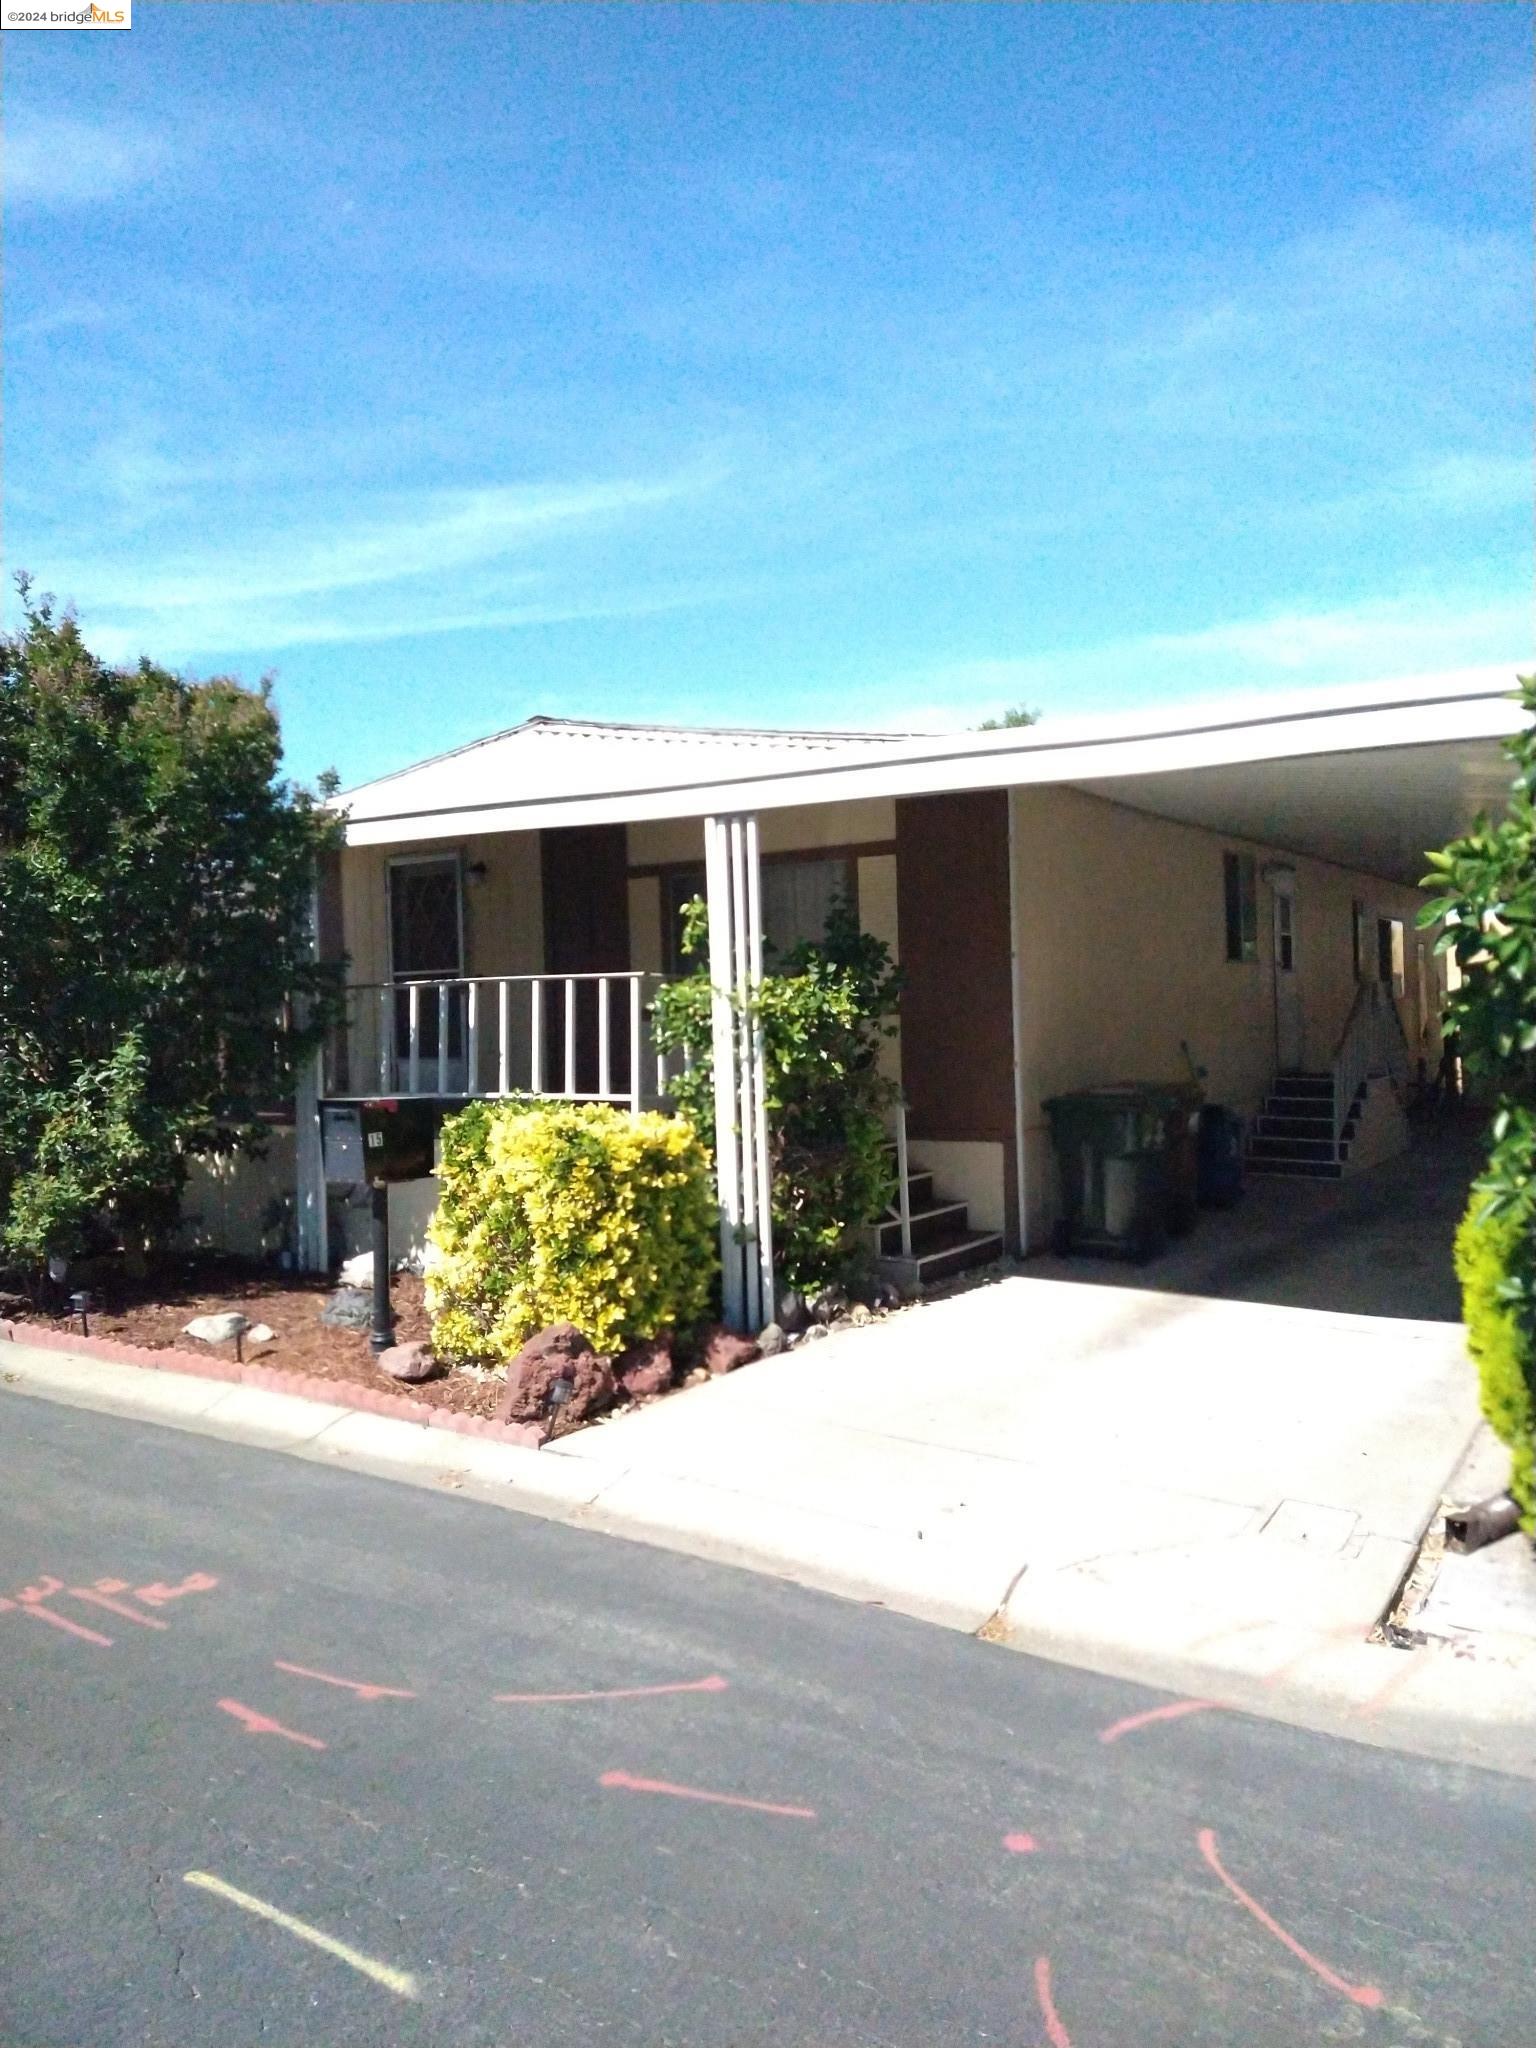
[(1240, 903)]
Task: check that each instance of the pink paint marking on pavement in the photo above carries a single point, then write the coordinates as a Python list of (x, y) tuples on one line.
[(1174, 1711), (100, 1595), (714, 1683), (1056, 2033), (363, 1691), (1020, 1845), (626, 1783), (30, 1601), (1361, 1994), (262, 1724), (158, 1594)]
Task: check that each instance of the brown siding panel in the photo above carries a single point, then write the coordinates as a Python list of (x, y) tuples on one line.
[(952, 897)]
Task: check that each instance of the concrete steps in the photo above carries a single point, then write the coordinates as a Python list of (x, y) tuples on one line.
[(1295, 1134), (943, 1242)]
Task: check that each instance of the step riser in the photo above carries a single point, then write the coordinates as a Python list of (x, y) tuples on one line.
[(927, 1230)]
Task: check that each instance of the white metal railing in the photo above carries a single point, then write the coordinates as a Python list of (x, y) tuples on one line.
[(1372, 1046), (579, 1037), (903, 1187)]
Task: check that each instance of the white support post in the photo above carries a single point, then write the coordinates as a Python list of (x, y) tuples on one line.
[(536, 1037), (386, 1041), (442, 1038), (413, 1031), (311, 1244), (751, 1285), (722, 1016), (504, 1036), (472, 1078), (769, 1293), (570, 1036), (604, 1046)]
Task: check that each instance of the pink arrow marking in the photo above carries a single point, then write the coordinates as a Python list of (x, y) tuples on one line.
[(1056, 2033), (1361, 1994), (714, 1683), (1020, 1845), (364, 1692), (1174, 1711), (262, 1724), (30, 1601), (624, 1782), (100, 1597)]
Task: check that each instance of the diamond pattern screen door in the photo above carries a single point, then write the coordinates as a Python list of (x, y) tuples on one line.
[(426, 943)]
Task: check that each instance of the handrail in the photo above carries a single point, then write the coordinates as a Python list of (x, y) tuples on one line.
[(1372, 1044), (903, 1183)]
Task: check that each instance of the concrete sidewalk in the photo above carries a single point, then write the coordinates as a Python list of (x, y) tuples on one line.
[(1217, 1496)]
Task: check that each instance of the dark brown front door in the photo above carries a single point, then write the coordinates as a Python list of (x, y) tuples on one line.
[(586, 931)]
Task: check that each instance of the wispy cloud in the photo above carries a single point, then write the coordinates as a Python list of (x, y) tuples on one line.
[(62, 160), (1383, 637), (373, 577), (1495, 125)]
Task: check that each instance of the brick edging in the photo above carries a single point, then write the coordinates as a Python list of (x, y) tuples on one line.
[(306, 1386)]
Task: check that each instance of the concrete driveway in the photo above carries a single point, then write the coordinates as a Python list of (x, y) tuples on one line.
[(1129, 1468)]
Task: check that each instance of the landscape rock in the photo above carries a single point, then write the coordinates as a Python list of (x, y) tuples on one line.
[(349, 1308), (222, 1329), (770, 1340), (411, 1362), (831, 1303), (882, 1293), (356, 1271), (818, 1330), (793, 1314), (721, 1350), (859, 1314), (557, 1353), (645, 1369)]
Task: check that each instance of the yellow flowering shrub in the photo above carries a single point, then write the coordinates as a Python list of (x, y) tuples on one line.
[(567, 1212)]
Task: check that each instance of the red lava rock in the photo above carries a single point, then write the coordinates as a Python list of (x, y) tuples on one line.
[(559, 1352), (645, 1369), (721, 1350), (408, 1362)]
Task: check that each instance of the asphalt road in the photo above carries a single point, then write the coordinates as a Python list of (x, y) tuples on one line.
[(909, 1838)]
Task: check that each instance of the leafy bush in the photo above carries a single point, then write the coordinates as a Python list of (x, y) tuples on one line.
[(567, 1212), (823, 1011), (1485, 903), (1500, 1341)]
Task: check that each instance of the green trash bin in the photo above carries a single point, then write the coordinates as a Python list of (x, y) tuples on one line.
[(1114, 1146)]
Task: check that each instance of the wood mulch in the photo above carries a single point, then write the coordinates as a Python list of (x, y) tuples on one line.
[(155, 1310)]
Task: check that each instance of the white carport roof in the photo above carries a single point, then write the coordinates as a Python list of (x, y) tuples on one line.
[(1369, 775)]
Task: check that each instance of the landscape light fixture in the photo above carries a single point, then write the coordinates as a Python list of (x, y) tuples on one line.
[(81, 1305)]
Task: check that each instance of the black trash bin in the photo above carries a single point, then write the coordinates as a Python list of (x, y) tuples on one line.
[(1221, 1157)]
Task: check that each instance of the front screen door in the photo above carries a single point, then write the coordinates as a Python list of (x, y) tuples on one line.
[(1288, 1034), (426, 944)]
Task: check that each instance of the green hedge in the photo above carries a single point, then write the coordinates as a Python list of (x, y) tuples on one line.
[(1500, 1343), (568, 1212)]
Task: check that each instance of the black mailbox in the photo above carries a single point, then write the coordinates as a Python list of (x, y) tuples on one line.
[(399, 1139)]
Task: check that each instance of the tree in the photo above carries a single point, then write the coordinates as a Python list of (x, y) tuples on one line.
[(1015, 715), (156, 989), (1485, 901)]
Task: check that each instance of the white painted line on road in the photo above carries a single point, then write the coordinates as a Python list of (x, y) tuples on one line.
[(401, 1982)]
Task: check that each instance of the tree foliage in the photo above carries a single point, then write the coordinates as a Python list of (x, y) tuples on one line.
[(155, 879), (1015, 715), (824, 1011), (1485, 901)]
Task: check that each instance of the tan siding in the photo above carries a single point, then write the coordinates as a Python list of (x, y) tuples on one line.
[(1122, 954)]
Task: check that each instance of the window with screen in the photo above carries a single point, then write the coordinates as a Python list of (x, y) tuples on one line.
[(797, 896)]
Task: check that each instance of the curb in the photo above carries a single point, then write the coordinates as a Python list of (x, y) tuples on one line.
[(303, 1386)]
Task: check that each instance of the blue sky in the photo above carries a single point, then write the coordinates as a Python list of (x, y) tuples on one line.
[(772, 364)]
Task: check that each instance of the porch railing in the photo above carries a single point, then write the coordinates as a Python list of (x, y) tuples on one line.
[(898, 1128), (1372, 1046), (579, 1037)]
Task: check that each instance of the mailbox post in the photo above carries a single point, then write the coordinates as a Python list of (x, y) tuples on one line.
[(399, 1139)]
